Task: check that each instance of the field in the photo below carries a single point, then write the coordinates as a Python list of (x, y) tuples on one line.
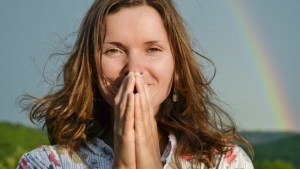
[(15, 141), (273, 150)]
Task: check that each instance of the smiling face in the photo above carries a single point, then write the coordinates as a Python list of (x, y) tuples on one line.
[(136, 40)]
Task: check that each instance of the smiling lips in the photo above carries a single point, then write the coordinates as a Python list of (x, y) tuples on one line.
[(117, 86)]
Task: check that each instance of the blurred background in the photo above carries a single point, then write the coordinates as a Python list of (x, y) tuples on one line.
[(253, 44)]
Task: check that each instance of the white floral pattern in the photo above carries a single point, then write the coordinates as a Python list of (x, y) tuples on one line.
[(96, 154)]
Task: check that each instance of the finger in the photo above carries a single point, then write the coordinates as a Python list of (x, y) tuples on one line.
[(123, 87), (124, 142), (129, 116), (140, 87), (120, 102), (146, 107), (138, 122), (149, 100), (118, 112), (131, 83), (121, 97), (127, 90), (147, 114)]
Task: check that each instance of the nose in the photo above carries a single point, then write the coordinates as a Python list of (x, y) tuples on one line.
[(134, 62)]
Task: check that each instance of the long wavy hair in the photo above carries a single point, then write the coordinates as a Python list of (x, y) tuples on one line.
[(75, 111)]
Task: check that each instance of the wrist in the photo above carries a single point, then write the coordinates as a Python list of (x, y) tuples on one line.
[(120, 166)]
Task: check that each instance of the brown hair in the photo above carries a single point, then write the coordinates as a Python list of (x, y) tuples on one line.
[(76, 111)]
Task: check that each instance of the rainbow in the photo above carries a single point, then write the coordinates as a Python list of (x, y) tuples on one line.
[(262, 60)]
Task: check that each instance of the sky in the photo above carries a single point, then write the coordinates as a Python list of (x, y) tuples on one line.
[(254, 46)]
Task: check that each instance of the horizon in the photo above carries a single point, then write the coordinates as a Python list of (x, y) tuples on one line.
[(256, 78)]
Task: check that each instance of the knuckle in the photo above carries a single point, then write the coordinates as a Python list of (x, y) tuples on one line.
[(129, 117), (128, 104), (116, 100), (122, 105)]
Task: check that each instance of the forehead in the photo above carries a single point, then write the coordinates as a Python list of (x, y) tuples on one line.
[(140, 22)]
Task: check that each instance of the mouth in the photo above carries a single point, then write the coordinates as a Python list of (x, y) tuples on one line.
[(117, 87)]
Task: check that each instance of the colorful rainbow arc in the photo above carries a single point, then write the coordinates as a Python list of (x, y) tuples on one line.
[(261, 58)]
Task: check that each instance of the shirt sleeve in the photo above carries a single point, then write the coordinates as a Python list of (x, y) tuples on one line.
[(235, 158), (42, 157)]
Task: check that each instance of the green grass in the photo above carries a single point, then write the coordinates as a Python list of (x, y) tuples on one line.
[(16, 140), (287, 150)]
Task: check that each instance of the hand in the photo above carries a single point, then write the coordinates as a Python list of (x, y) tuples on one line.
[(136, 142), (146, 135), (124, 136)]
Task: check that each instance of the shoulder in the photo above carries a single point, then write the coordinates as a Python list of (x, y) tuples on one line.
[(235, 157), (93, 153), (50, 157)]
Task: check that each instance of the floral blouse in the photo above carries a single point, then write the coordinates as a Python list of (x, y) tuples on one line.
[(96, 154)]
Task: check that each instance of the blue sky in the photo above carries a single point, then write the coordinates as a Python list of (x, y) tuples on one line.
[(29, 29)]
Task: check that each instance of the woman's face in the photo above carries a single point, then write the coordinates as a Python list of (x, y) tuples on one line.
[(136, 40)]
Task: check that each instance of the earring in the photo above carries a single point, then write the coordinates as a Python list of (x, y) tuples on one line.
[(175, 95)]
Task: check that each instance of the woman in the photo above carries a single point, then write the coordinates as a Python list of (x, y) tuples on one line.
[(133, 96)]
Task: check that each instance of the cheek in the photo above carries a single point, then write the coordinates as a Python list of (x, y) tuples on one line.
[(111, 69), (163, 73), (164, 69)]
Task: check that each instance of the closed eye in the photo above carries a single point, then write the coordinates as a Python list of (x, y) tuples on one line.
[(154, 49), (114, 52), (111, 51)]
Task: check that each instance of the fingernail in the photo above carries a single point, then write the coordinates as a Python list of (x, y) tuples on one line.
[(130, 75), (136, 74), (129, 78)]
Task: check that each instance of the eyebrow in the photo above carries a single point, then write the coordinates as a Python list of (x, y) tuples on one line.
[(153, 42), (119, 44)]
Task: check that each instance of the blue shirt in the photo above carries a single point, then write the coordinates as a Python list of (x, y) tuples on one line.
[(96, 154)]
